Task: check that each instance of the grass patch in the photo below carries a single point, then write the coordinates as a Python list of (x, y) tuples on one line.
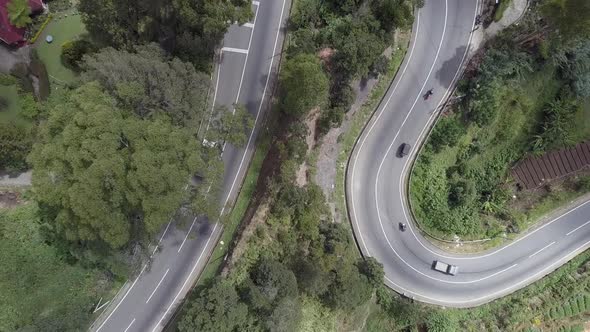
[(39, 291), (62, 29), (358, 121), (499, 13), (11, 114)]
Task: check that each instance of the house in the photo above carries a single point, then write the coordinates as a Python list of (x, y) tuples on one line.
[(10, 34)]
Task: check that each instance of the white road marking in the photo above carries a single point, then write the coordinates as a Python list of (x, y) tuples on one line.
[(363, 140), (418, 96), (246, 61), (186, 281), (187, 234), (123, 299), (161, 238), (248, 25), (575, 229), (235, 50), (501, 291), (538, 251), (128, 327), (99, 306), (157, 286), (259, 107)]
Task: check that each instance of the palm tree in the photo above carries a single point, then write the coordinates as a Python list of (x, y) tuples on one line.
[(19, 13)]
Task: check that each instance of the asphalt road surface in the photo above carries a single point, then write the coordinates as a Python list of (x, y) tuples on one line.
[(245, 74), (377, 181)]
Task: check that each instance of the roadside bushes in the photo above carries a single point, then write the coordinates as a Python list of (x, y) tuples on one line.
[(447, 132)]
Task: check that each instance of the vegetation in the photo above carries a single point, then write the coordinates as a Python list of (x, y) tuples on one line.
[(113, 149), (117, 169), (350, 37), (518, 100), (19, 13), (150, 83), (304, 84), (17, 113), (73, 51), (297, 257), (63, 30), (59, 295), (187, 29), (555, 303)]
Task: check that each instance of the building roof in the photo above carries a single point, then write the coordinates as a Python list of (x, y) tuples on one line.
[(10, 34)]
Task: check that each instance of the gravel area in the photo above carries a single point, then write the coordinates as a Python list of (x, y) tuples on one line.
[(11, 180)]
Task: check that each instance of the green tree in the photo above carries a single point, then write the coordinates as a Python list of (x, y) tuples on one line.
[(19, 13), (461, 193), (30, 108), (73, 51), (151, 84), (15, 144), (107, 176), (447, 132), (274, 280), (304, 84), (216, 308), (232, 126), (358, 42), (373, 270), (350, 288), (574, 62), (393, 13), (311, 278), (186, 28)]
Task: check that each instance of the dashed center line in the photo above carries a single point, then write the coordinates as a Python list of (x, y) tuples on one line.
[(575, 229), (545, 247), (128, 327), (157, 286), (235, 50), (187, 234)]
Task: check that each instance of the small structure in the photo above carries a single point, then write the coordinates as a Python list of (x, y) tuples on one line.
[(533, 172), (10, 34)]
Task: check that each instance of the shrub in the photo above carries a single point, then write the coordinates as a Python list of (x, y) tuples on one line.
[(73, 51), (447, 132)]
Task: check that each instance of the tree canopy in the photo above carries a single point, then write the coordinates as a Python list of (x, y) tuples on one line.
[(151, 84), (217, 308), (304, 84), (107, 175), (186, 28)]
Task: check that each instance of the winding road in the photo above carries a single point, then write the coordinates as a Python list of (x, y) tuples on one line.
[(245, 74), (376, 181)]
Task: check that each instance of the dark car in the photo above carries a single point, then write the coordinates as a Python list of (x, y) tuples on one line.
[(404, 150), (402, 227)]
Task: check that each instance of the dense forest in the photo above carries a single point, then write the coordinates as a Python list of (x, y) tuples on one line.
[(113, 144)]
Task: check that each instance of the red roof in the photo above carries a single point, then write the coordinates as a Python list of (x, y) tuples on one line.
[(10, 34)]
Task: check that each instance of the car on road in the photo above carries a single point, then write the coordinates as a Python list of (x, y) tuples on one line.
[(404, 149), (445, 268), (402, 226)]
